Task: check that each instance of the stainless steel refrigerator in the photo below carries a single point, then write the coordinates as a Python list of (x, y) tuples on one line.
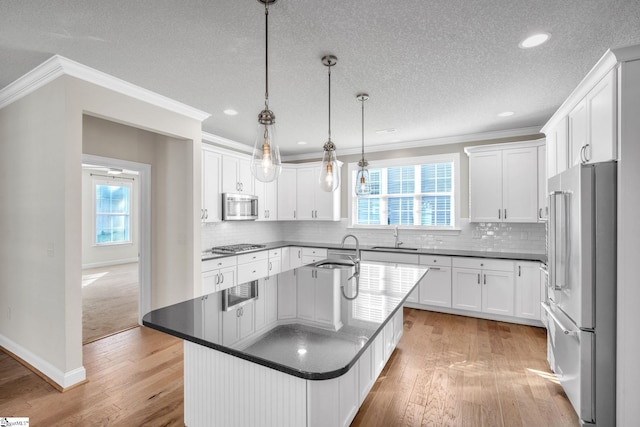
[(581, 295)]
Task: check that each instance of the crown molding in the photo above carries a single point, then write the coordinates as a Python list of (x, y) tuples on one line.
[(225, 143), (608, 61), (57, 66), (472, 137)]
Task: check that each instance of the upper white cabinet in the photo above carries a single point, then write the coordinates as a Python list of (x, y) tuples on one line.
[(267, 193), (503, 182), (287, 183), (312, 203), (211, 175), (543, 209), (588, 118), (236, 175), (592, 124)]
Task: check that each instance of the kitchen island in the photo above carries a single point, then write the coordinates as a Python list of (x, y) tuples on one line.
[(301, 348)]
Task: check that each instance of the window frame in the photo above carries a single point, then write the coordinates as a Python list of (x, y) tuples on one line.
[(106, 181), (453, 158)]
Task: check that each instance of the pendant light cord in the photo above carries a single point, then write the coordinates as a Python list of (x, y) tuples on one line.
[(329, 67), (266, 55), (362, 100)]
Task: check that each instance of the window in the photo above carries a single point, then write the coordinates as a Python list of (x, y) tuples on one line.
[(112, 212), (411, 192)]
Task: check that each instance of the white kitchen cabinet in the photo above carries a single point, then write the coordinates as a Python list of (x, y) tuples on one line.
[(218, 274), (285, 263), (435, 287), (312, 203), (237, 323), (211, 177), (287, 184), (275, 261), (319, 297), (266, 304), (287, 295), (557, 148), (592, 124), (209, 311), (236, 174), (601, 120), (311, 255), (295, 257), (503, 182), (577, 132), (253, 266), (543, 209), (484, 285), (527, 290), (267, 193)]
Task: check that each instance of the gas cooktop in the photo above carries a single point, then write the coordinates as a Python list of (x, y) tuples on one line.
[(235, 249)]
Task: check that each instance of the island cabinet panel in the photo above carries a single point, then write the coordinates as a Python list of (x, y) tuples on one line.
[(220, 389)]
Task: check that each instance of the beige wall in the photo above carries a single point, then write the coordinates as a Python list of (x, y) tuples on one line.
[(41, 146)]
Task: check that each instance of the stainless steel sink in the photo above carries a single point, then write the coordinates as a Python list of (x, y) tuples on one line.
[(393, 248), (334, 263)]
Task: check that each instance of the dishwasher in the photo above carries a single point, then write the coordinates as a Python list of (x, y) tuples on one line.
[(341, 254)]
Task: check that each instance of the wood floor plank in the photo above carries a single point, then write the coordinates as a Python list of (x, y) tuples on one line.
[(447, 371)]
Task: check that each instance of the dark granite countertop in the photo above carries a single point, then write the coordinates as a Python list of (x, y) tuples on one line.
[(521, 256), (304, 324)]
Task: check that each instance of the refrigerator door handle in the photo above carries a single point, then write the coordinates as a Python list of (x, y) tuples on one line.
[(558, 226), (552, 315)]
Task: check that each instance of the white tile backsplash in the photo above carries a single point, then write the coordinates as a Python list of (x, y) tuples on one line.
[(498, 237)]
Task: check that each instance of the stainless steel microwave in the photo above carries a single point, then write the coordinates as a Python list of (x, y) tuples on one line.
[(239, 207), (239, 295)]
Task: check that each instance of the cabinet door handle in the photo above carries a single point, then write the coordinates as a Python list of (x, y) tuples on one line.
[(221, 278), (435, 268), (206, 214), (540, 213), (270, 266), (519, 270), (505, 214), (478, 278), (499, 213), (294, 213), (485, 279), (217, 280)]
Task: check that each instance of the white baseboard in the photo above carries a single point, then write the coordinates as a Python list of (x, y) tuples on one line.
[(63, 379), (108, 263)]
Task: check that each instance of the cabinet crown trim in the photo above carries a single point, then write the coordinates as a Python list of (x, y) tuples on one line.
[(608, 61), (505, 146)]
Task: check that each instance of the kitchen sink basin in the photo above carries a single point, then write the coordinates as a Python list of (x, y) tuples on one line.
[(334, 263), (393, 248)]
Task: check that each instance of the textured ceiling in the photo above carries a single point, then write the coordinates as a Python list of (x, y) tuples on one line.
[(432, 69)]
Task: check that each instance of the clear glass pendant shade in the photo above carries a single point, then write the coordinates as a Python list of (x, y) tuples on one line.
[(329, 170), (363, 186), (266, 164)]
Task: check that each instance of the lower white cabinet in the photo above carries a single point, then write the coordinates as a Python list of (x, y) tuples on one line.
[(527, 284), (435, 287), (266, 304), (295, 256), (275, 261), (218, 274), (399, 257), (253, 266), (483, 285), (237, 323), (311, 255)]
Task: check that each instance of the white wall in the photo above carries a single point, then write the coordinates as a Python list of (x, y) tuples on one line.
[(100, 255), (41, 146)]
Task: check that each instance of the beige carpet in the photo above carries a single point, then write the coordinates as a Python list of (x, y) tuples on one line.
[(109, 300)]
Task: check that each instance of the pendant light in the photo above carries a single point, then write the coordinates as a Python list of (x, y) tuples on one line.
[(363, 184), (265, 161), (329, 171)]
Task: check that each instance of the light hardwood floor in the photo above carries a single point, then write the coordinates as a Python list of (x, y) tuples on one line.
[(447, 370)]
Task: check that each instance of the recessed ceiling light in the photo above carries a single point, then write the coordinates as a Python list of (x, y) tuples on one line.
[(230, 112), (302, 142), (385, 131), (302, 351), (506, 114), (534, 40)]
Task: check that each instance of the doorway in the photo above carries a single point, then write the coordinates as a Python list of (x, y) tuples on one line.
[(116, 269)]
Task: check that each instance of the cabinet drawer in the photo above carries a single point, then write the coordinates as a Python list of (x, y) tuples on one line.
[(253, 271), (434, 260), (275, 253), (390, 257), (218, 263), (310, 259), (483, 263), (317, 253), (253, 256)]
